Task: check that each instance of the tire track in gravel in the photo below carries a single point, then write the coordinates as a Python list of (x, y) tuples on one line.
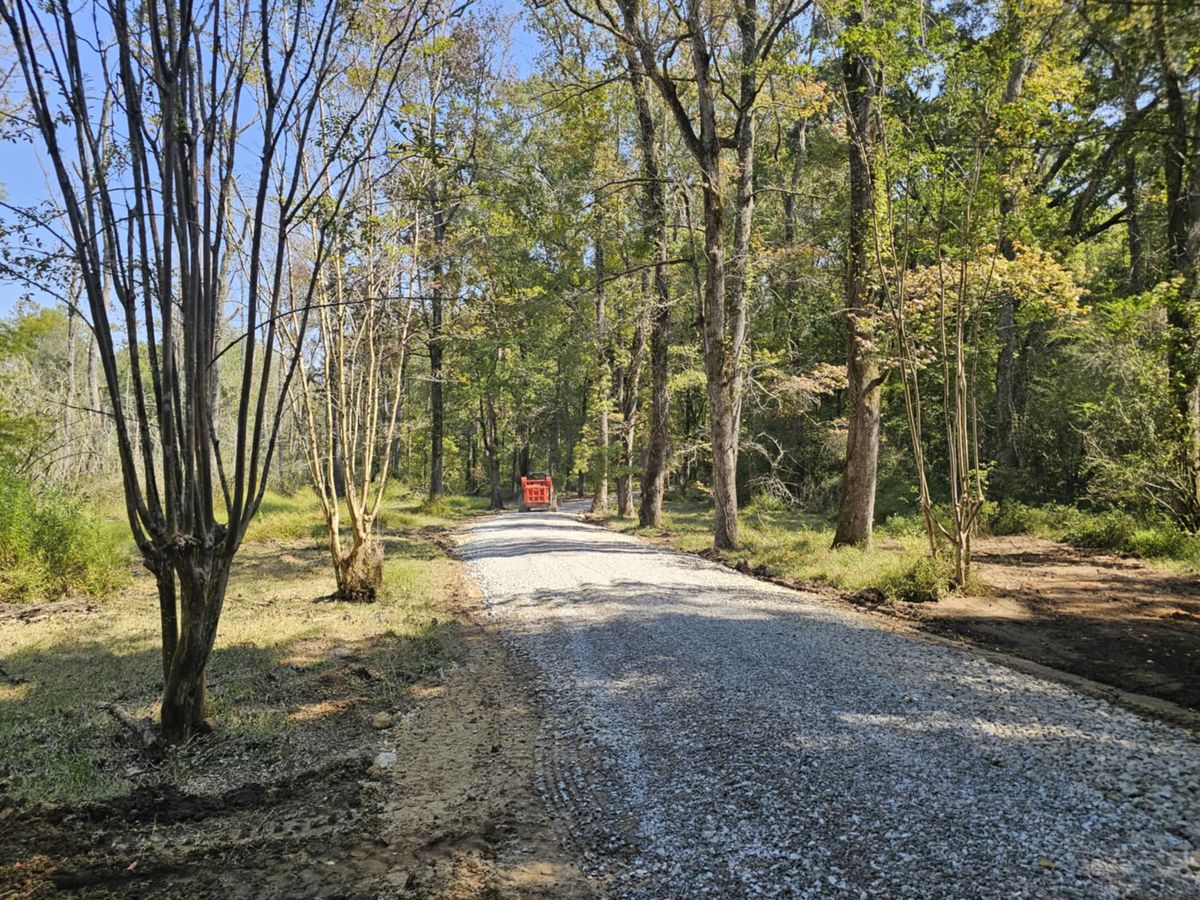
[(709, 735)]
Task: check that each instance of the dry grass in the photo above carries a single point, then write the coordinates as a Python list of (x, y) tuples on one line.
[(290, 671), (785, 543)]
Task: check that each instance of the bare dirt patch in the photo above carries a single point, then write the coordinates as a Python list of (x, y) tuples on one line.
[(29, 613), (1119, 621), (454, 814)]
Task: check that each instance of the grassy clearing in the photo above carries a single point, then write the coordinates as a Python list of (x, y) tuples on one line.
[(290, 675), (785, 543), (298, 515)]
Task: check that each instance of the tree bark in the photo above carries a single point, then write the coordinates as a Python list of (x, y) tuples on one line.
[(630, 382), (203, 576), (492, 449), (721, 352), (856, 508), (359, 571), (437, 405), (1136, 280), (1181, 168), (600, 488), (654, 201)]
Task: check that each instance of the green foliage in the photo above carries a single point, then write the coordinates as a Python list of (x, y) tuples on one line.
[(51, 546), (924, 580), (1113, 530), (1109, 530)]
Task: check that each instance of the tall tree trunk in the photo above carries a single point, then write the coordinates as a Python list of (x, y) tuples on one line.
[(1006, 444), (654, 218), (1136, 279), (98, 426), (492, 449), (471, 485), (437, 411), (790, 209), (600, 489), (720, 353), (68, 410), (554, 460), (1181, 167), (856, 508), (630, 383), (723, 329)]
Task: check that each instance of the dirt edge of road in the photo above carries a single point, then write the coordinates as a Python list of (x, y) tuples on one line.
[(454, 813)]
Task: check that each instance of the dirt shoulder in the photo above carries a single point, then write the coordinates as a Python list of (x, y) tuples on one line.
[(452, 812), (1119, 621)]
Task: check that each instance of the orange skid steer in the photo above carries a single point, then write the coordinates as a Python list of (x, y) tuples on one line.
[(537, 492)]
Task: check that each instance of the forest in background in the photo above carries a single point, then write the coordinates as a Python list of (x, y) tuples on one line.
[(930, 267)]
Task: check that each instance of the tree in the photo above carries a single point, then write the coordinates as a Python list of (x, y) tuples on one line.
[(351, 377), (654, 223), (863, 84), (185, 92), (717, 40)]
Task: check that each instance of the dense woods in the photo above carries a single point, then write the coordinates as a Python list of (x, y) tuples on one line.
[(871, 260)]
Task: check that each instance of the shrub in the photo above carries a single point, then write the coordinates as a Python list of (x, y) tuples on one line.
[(50, 546), (1011, 517), (1111, 530), (1165, 541), (925, 580)]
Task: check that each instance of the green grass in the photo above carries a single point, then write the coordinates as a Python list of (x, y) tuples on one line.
[(298, 515), (1111, 530), (52, 545), (281, 675), (780, 542)]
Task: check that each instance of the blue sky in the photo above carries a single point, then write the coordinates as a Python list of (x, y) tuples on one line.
[(24, 180)]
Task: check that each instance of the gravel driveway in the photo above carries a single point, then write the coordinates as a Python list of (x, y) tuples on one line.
[(709, 735)]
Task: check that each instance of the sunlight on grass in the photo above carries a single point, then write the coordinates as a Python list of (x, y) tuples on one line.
[(794, 546), (280, 662)]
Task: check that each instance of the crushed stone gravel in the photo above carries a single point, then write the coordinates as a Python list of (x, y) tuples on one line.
[(710, 735)]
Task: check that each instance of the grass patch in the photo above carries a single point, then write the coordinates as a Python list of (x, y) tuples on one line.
[(52, 546), (287, 517), (785, 543), (1111, 530), (291, 677)]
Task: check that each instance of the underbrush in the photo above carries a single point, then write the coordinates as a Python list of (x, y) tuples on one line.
[(51, 545), (1111, 530), (780, 542)]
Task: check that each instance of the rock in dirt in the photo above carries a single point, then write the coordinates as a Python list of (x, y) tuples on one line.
[(381, 720), (386, 759)]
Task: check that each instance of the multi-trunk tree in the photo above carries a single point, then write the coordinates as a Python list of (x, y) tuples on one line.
[(217, 111)]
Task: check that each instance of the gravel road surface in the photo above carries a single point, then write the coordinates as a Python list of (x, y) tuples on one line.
[(710, 735)]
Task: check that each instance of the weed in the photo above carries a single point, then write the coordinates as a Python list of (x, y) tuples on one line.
[(50, 545), (923, 580)]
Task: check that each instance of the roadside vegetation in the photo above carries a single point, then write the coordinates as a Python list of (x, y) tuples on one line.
[(294, 674), (783, 542), (1114, 530), (779, 541)]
